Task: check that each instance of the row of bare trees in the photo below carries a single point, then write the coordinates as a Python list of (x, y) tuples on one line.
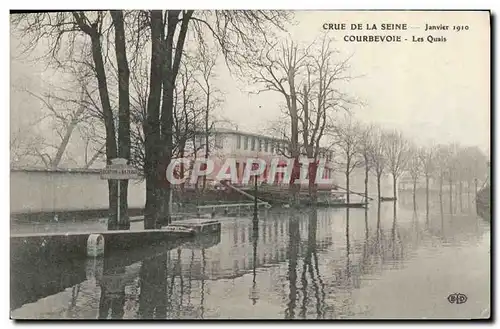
[(383, 151), (451, 165), (310, 79), (317, 116)]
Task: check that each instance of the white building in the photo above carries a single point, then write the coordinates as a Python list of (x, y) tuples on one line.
[(226, 143)]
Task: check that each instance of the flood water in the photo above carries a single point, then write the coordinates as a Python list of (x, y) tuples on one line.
[(385, 262)]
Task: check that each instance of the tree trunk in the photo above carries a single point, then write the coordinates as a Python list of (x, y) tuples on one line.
[(460, 187), (169, 70), (294, 134), (96, 155), (166, 121), (414, 193), (67, 135), (123, 111), (182, 171), (313, 167), (468, 194), (347, 183), (294, 188), (111, 147), (109, 124), (450, 182), (152, 124), (378, 187), (395, 189), (427, 196), (441, 190)]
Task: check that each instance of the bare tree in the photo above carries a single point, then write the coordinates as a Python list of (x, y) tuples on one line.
[(166, 54), (278, 68), (320, 99), (207, 60), (188, 116), (396, 152), (428, 162), (123, 111), (377, 156), (415, 168), (452, 169), (73, 37), (308, 78), (364, 149), (65, 110), (462, 173), (27, 148), (472, 167), (64, 124), (72, 31), (93, 142), (441, 162)]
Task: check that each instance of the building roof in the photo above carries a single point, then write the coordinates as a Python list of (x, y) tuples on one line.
[(244, 133)]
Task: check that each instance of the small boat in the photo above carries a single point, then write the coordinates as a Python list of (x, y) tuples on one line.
[(387, 198)]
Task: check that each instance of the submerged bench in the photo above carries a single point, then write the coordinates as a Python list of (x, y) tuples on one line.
[(196, 225)]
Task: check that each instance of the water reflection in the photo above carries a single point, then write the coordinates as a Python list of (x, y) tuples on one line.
[(153, 288), (112, 285), (293, 253), (289, 264)]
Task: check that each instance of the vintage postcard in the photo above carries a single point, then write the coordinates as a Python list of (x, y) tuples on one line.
[(250, 164)]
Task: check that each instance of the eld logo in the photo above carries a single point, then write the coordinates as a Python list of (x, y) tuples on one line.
[(457, 298)]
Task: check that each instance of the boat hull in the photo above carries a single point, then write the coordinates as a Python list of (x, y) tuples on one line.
[(483, 203)]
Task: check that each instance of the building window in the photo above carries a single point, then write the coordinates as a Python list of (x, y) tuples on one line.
[(238, 141), (261, 144), (273, 147), (200, 141), (246, 143), (266, 147), (219, 141), (253, 143)]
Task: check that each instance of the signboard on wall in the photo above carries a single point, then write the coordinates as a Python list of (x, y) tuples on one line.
[(119, 169)]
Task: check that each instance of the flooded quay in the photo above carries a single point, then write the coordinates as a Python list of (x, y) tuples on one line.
[(392, 260)]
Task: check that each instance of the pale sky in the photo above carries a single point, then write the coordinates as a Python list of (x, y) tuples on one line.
[(438, 91)]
